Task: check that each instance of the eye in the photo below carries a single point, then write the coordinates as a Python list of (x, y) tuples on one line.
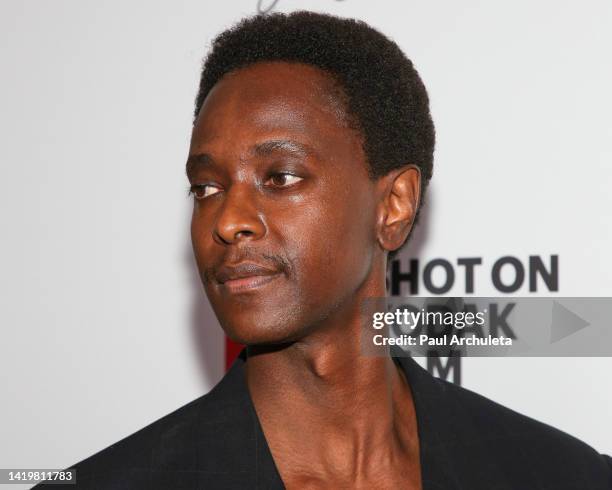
[(283, 179), (202, 191)]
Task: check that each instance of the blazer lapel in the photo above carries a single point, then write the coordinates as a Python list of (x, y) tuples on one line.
[(255, 456), (453, 455)]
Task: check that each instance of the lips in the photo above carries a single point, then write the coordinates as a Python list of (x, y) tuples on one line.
[(244, 276)]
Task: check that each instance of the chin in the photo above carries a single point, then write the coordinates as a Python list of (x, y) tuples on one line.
[(262, 333)]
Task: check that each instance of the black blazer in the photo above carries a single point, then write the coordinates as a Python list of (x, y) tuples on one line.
[(467, 442)]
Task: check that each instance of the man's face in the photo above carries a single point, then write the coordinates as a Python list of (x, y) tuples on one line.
[(283, 224)]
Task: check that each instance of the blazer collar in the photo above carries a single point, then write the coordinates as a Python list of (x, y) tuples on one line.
[(435, 422)]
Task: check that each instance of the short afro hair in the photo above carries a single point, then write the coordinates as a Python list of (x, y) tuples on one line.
[(383, 95)]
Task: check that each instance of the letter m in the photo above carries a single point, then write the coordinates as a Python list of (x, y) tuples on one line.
[(436, 367)]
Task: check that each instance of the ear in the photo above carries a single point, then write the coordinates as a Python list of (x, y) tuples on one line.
[(400, 197)]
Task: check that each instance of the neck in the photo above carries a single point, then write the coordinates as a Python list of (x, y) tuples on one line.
[(324, 405)]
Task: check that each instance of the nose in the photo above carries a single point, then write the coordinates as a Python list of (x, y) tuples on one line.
[(238, 217)]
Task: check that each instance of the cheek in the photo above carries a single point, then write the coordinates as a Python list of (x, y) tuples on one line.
[(201, 240), (330, 245)]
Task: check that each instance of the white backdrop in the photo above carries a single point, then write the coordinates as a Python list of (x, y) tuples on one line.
[(100, 305)]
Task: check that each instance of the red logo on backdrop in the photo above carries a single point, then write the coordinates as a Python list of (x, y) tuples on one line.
[(232, 349)]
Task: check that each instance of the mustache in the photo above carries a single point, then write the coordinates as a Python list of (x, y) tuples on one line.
[(264, 259)]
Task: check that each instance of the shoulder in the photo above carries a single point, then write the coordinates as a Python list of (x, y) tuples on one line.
[(525, 450), (199, 441)]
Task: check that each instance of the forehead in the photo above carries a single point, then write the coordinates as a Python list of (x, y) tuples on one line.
[(273, 97)]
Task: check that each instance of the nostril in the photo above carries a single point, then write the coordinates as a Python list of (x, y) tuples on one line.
[(243, 233)]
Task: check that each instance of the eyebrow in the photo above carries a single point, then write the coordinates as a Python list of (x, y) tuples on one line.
[(197, 160), (269, 147), (261, 149)]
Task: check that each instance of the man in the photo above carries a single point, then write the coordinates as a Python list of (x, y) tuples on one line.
[(311, 150)]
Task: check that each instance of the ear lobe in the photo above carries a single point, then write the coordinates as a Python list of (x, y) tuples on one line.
[(399, 206)]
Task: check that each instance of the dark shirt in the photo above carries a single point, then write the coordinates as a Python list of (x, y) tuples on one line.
[(466, 442)]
